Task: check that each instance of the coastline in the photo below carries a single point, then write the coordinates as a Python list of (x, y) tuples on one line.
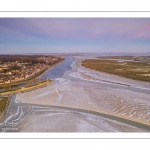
[(114, 77), (89, 98), (113, 73), (31, 78), (23, 90), (79, 105), (134, 122), (86, 98), (51, 67)]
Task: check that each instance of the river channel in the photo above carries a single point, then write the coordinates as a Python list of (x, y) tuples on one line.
[(80, 100)]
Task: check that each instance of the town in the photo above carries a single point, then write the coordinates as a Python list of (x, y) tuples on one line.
[(17, 68)]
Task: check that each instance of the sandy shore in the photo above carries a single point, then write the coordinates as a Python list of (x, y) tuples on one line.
[(64, 119), (94, 91), (90, 100)]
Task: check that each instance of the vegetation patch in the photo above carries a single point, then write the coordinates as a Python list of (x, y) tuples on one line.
[(128, 69), (4, 103), (25, 89)]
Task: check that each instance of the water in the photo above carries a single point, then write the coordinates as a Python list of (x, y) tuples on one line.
[(18, 111), (59, 70), (54, 108), (35, 118)]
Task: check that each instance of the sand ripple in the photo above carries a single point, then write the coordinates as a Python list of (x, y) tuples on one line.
[(74, 90)]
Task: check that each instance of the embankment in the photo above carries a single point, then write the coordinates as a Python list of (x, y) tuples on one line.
[(5, 104), (26, 89)]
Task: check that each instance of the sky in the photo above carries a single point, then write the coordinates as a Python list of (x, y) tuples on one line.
[(74, 35)]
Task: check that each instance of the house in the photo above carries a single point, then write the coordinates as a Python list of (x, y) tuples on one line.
[(16, 78)]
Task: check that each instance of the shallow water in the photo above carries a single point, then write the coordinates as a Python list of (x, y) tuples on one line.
[(35, 118), (59, 70), (69, 103)]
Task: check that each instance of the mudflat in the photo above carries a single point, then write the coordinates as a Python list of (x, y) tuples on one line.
[(91, 90), (126, 66)]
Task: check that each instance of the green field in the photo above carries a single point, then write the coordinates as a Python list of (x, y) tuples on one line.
[(128, 69)]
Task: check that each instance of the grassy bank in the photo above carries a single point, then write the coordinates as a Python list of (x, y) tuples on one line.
[(26, 89), (4, 103), (134, 70)]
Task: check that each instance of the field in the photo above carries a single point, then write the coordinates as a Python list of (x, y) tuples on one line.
[(138, 70)]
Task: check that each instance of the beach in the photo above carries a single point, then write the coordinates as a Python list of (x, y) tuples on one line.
[(83, 100)]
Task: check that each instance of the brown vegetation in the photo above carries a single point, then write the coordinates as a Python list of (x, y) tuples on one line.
[(26, 89), (134, 70), (4, 103)]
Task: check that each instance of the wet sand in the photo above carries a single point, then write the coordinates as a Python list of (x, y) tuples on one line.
[(93, 91), (82, 100), (49, 119)]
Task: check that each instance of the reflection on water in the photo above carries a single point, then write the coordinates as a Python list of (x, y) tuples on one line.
[(79, 88), (59, 70), (34, 118)]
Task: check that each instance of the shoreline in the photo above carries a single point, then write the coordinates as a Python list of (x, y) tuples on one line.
[(124, 79), (51, 67), (22, 90), (131, 78), (117, 117), (76, 107), (34, 77)]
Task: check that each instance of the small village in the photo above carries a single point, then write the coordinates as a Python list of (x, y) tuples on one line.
[(23, 67)]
